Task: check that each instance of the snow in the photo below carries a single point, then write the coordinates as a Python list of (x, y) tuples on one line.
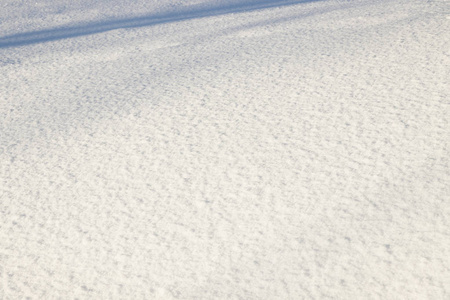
[(224, 149)]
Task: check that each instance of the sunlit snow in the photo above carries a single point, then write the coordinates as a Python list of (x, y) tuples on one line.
[(206, 149)]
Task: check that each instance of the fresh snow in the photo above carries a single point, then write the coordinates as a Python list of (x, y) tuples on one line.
[(205, 149)]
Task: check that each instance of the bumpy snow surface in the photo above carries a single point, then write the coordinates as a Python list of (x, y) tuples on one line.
[(206, 149)]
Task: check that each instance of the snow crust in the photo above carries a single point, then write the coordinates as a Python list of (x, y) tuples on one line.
[(224, 149)]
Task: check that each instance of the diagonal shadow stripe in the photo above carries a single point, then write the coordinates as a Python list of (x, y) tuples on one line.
[(65, 32)]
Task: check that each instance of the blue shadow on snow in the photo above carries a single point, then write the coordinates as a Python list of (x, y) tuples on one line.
[(65, 32)]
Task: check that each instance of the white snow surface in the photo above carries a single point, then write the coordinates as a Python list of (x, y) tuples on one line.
[(224, 149)]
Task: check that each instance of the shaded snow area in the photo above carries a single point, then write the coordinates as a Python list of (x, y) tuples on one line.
[(204, 149)]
